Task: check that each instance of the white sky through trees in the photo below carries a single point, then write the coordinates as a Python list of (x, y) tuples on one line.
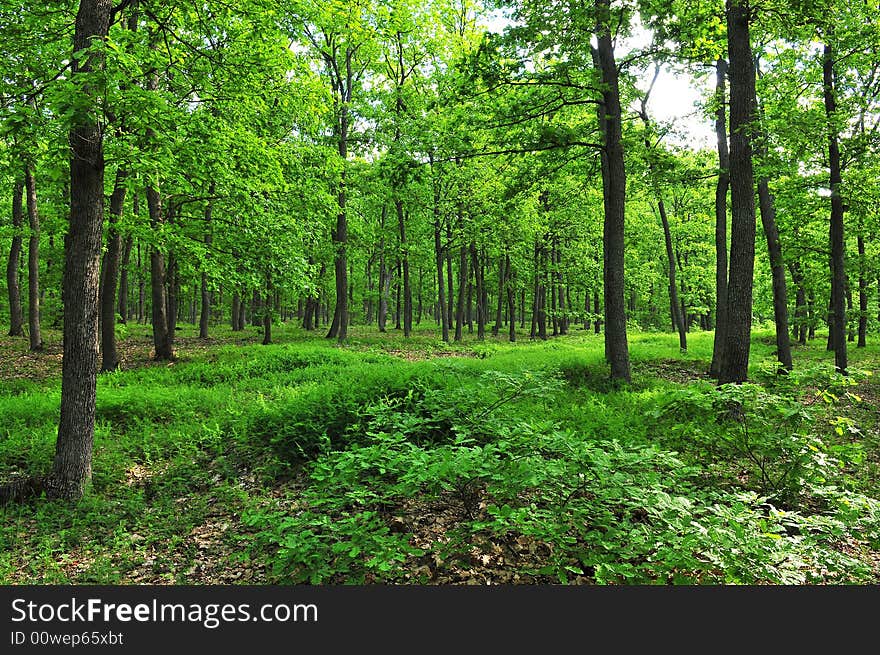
[(675, 99)]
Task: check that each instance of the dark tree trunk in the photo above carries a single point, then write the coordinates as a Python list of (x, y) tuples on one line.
[(597, 308), (735, 360), (850, 333), (72, 467), (404, 262), (462, 290), (677, 314), (439, 256), (419, 312), (161, 336), (449, 275), (30, 186), (836, 229), (777, 269), (721, 188), (122, 307), (502, 275), (677, 311), (397, 297), (172, 295), (767, 205), (16, 318), (511, 303), (109, 359), (142, 318), (863, 292), (267, 318), (368, 300), (614, 186), (481, 306), (205, 316), (339, 327), (236, 309), (799, 330), (554, 307)]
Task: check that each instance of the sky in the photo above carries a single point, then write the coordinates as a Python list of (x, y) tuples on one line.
[(674, 99)]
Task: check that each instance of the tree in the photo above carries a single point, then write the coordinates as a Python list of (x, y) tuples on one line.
[(72, 467), (735, 359)]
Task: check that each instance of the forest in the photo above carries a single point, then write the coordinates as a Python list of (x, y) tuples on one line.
[(450, 292)]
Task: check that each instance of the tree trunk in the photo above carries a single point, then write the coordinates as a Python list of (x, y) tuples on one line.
[(777, 270), (161, 337), (72, 467), (16, 318), (267, 318), (339, 327), (502, 275), (462, 291), (171, 295), (481, 307), (677, 314), (439, 257), (511, 303), (122, 307), (863, 292), (142, 318), (404, 262), (236, 305), (799, 330), (109, 359), (735, 359), (36, 338), (721, 188), (205, 317), (836, 229), (614, 186), (767, 205)]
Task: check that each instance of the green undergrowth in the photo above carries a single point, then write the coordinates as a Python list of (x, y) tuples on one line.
[(386, 461)]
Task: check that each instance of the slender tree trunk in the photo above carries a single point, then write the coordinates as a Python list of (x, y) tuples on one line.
[(404, 255), (142, 318), (122, 306), (863, 292), (767, 205), (735, 360), (439, 256), (172, 295), (836, 229), (236, 310), (721, 188), (36, 337), (777, 269), (109, 359), (850, 333), (462, 290), (205, 317), (449, 275), (554, 307), (16, 318), (72, 467), (481, 307), (677, 314), (511, 302), (614, 185), (419, 314), (799, 330), (502, 279), (339, 327), (267, 318)]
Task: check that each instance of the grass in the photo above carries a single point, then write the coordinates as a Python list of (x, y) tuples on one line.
[(415, 461)]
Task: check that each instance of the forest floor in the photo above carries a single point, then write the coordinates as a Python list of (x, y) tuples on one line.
[(420, 462)]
